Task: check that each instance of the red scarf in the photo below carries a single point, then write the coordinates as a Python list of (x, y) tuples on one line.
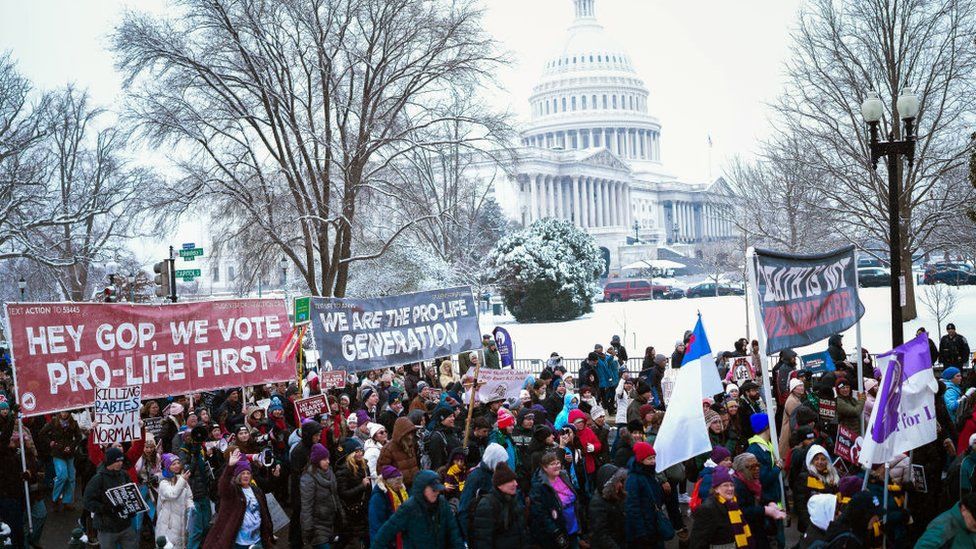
[(754, 486)]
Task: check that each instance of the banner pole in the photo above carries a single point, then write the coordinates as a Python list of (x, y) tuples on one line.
[(765, 368), (471, 404), (859, 361), (20, 422)]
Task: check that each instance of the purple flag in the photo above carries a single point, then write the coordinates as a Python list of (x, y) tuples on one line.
[(906, 360)]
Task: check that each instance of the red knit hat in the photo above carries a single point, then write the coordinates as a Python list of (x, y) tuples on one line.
[(575, 415), (643, 450), (505, 418)]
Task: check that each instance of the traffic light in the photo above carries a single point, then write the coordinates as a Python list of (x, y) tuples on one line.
[(162, 278)]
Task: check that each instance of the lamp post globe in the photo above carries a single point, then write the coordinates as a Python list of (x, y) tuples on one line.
[(908, 105), (872, 109), (22, 285)]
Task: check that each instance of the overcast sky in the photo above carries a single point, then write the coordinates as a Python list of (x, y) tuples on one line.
[(711, 66)]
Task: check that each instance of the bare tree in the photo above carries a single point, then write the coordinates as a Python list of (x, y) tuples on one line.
[(291, 114), (721, 258), (841, 50), (940, 300)]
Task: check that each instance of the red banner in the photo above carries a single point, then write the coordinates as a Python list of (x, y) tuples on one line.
[(63, 351)]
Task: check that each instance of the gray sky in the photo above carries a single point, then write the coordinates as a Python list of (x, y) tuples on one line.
[(711, 66)]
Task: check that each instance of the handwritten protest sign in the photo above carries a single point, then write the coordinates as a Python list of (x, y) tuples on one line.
[(742, 369), (311, 407), (127, 498), (117, 414), (332, 379), (828, 410), (153, 425), (64, 351), (848, 446)]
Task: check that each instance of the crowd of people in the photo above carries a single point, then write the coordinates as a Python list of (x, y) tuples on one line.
[(403, 458)]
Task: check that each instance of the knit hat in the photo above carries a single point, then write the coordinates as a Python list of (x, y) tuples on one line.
[(503, 475), (168, 460), (950, 373), (841, 380), (805, 432), (275, 405), (720, 476), (113, 455), (660, 360), (350, 445), (711, 417), (731, 387), (848, 486), (367, 392), (576, 415), (643, 450), (242, 465), (362, 417), (525, 413), (748, 385), (794, 383), (759, 422), (597, 413), (352, 420), (394, 397), (643, 387), (505, 418), (421, 385), (389, 471), (720, 454), (644, 410), (524, 395), (374, 428), (318, 453)]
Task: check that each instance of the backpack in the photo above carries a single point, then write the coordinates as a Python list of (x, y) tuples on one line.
[(695, 498), (423, 444)]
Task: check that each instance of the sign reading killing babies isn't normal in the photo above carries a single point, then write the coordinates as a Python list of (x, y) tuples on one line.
[(366, 334), (64, 351), (117, 414)]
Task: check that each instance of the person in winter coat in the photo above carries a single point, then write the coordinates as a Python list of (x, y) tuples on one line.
[(446, 374), (654, 379), (174, 501), (642, 395), (783, 372), (678, 356), (479, 483), (769, 468), (63, 436), (499, 516), (749, 403), (954, 349), (607, 508), (857, 526), (373, 447), (401, 450), (793, 401), (588, 442), (320, 500), (849, 408), (719, 520), (554, 506), (623, 399), (113, 524), (352, 479), (644, 499), (821, 510), (242, 513), (443, 438), (311, 434), (570, 403), (425, 521), (388, 495), (818, 477), (835, 347), (952, 377), (953, 529), (502, 435)]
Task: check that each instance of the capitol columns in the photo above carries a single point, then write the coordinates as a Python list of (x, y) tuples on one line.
[(577, 214)]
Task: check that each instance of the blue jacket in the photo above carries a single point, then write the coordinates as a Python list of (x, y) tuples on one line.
[(607, 372), (423, 525), (768, 473), (952, 395), (380, 508), (568, 406), (478, 481), (644, 498)]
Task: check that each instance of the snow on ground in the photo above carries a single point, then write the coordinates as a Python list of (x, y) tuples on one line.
[(661, 323)]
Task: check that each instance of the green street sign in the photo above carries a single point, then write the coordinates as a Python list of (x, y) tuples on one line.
[(191, 253), (187, 274), (302, 308)]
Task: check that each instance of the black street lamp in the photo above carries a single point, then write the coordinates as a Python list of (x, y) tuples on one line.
[(284, 271), (872, 110), (636, 232), (132, 287), (22, 284)]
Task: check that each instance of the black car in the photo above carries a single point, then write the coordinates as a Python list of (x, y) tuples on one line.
[(669, 292), (873, 277), (951, 276), (707, 289)]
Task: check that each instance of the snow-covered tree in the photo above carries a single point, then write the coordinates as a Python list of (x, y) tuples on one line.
[(547, 271)]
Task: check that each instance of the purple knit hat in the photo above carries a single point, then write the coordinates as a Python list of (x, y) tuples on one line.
[(720, 453), (720, 476), (243, 465), (318, 453), (389, 471), (848, 486), (362, 417), (168, 460)]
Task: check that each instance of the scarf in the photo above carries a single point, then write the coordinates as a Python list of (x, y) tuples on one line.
[(753, 485), (740, 530)]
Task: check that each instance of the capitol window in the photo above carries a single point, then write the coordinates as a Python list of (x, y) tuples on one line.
[(572, 101), (584, 103), (604, 101), (614, 97), (564, 104)]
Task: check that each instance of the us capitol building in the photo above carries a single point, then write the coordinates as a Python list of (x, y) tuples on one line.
[(591, 153)]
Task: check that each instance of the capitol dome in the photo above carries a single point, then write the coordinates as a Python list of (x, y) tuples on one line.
[(590, 96)]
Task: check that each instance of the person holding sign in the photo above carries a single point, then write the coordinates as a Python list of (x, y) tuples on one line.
[(111, 521), (243, 519)]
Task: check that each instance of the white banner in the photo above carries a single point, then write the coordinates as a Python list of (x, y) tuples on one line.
[(494, 384)]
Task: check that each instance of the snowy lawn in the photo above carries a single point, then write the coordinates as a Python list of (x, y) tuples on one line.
[(661, 323)]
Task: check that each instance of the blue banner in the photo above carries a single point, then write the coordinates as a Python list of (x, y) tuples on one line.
[(369, 334), (505, 348), (818, 363)]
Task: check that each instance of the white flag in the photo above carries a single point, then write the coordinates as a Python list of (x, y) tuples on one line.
[(683, 433)]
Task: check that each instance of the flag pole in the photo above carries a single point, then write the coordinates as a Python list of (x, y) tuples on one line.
[(765, 368), (859, 364), (20, 422)]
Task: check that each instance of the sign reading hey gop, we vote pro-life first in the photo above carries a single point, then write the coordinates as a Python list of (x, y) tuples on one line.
[(64, 351)]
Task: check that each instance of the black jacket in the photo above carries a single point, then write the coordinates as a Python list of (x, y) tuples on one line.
[(106, 515), (711, 525), (954, 351), (621, 353), (607, 510), (201, 473), (442, 441), (498, 523), (547, 511)]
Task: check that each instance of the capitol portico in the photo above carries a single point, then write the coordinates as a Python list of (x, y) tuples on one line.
[(591, 154)]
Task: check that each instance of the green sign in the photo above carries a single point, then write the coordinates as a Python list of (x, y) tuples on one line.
[(187, 274), (190, 254), (302, 306)]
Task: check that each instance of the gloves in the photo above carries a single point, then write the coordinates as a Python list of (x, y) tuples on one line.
[(970, 391), (590, 447)]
